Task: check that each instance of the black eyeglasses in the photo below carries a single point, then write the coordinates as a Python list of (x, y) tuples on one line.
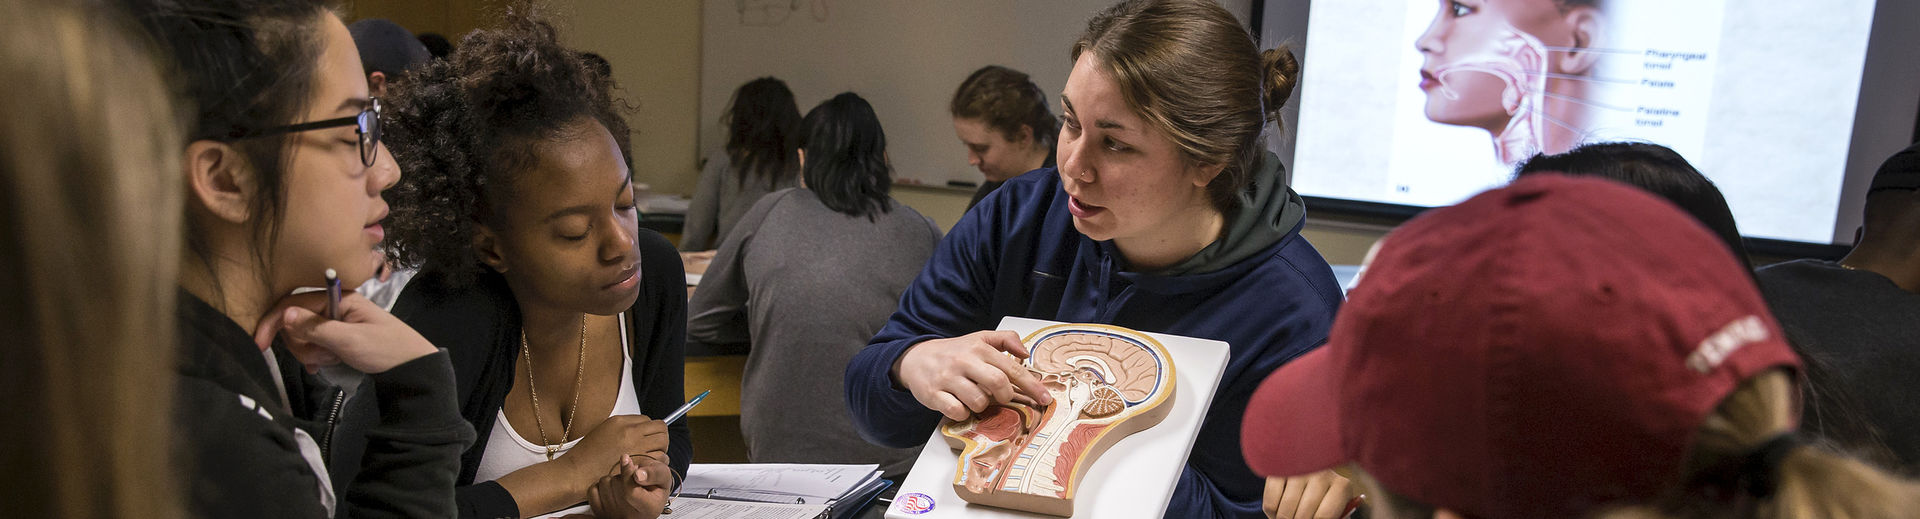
[(367, 126)]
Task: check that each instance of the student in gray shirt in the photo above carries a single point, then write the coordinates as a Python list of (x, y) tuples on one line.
[(1856, 322), (806, 278), (763, 132)]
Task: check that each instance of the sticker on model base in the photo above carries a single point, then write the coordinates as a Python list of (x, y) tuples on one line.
[(1107, 383), (913, 503)]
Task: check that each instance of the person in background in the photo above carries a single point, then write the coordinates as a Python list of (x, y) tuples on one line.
[(566, 322), (1003, 119), (89, 248), (1656, 169), (823, 266), (1857, 322), (387, 51), (763, 134), (278, 164), (1560, 347), (437, 45), (1166, 215)]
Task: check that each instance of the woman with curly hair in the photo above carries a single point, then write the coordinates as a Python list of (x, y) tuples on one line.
[(565, 321)]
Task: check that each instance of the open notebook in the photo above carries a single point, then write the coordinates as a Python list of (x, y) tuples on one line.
[(777, 490)]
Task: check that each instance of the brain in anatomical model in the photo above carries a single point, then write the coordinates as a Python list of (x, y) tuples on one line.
[(1107, 383)]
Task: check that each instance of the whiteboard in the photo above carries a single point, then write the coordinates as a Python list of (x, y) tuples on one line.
[(1134, 479), (906, 58)]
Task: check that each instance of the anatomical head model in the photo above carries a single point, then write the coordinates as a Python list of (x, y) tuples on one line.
[(1107, 383), (1520, 69)]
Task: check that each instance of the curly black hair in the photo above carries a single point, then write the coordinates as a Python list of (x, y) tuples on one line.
[(463, 128)]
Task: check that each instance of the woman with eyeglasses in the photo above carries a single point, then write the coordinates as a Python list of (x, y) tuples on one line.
[(283, 170)]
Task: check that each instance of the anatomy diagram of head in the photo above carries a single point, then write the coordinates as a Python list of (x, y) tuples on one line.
[(1107, 383), (1520, 69)]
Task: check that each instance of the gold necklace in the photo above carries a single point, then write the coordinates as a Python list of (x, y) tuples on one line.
[(573, 410)]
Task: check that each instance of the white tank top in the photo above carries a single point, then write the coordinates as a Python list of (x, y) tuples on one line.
[(507, 451)]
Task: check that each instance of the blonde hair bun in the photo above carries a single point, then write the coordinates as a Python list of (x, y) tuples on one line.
[(1280, 72)]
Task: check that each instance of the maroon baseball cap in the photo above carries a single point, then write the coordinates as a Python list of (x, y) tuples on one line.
[(1539, 350)]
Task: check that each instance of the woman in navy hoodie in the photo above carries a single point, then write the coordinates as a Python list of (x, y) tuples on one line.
[(1164, 215)]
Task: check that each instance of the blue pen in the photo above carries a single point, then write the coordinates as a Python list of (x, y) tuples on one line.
[(682, 411), (333, 295)]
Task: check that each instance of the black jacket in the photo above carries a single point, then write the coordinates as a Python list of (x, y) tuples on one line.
[(478, 322), (237, 442)]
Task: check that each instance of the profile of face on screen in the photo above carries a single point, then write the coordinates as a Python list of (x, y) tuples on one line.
[(1427, 102), (1520, 69)]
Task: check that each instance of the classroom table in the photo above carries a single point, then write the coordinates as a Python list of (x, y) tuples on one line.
[(720, 373), (718, 368)]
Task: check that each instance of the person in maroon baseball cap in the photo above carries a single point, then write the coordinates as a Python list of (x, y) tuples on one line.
[(1561, 347)]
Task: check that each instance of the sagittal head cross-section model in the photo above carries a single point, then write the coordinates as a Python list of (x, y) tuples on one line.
[(1107, 383)]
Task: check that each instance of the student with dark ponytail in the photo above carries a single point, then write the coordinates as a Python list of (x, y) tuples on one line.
[(283, 168), (1165, 215)]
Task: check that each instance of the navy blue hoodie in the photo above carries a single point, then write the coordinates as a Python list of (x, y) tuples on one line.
[(1260, 288)]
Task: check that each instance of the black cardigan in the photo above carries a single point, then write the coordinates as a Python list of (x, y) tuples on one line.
[(478, 322), (244, 462)]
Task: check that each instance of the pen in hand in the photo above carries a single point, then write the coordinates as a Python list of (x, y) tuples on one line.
[(677, 414), (682, 411), (339, 374), (333, 295)]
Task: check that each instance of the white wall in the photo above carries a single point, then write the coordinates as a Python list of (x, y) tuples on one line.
[(654, 48)]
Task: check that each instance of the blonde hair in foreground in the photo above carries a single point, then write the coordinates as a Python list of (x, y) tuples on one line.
[(89, 240), (1812, 482)]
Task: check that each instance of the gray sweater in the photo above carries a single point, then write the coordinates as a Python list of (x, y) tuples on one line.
[(720, 200), (1859, 334), (807, 287)]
